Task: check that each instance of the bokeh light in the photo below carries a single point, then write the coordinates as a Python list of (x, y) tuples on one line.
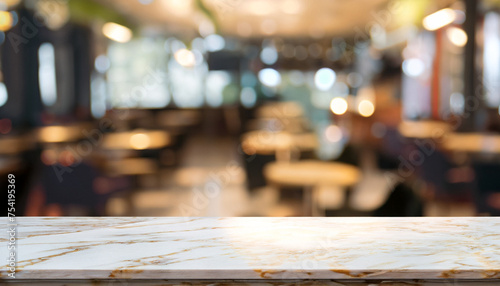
[(333, 133), (366, 108), (324, 79), (269, 77), (140, 141), (338, 105)]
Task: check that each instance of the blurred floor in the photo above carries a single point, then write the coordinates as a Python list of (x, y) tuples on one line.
[(210, 181)]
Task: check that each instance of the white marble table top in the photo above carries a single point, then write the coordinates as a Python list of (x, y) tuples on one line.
[(255, 248)]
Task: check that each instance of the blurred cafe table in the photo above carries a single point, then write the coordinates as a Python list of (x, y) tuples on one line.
[(287, 109), (310, 174), (13, 145), (472, 143), (62, 133), (423, 129), (134, 167), (136, 140), (282, 144), (131, 166)]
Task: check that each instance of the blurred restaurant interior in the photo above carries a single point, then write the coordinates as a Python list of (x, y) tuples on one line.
[(251, 107)]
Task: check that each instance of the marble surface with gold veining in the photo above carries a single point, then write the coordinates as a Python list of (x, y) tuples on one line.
[(255, 248)]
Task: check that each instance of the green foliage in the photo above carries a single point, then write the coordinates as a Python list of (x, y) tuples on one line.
[(86, 11), (210, 14)]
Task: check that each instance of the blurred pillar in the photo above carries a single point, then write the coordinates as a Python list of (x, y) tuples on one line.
[(471, 94), (436, 76), (83, 65), (20, 72)]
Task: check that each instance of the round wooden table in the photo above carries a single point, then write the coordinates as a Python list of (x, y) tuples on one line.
[(271, 143), (136, 140), (131, 167), (423, 129), (286, 109), (62, 133), (309, 174)]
